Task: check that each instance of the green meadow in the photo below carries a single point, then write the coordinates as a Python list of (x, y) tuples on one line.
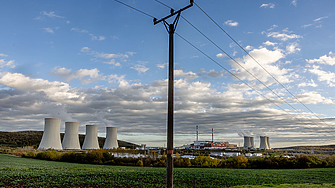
[(26, 172)]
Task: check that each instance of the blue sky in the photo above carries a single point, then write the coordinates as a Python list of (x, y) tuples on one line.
[(100, 62)]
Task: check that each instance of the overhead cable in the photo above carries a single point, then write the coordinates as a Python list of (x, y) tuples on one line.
[(134, 8), (259, 63)]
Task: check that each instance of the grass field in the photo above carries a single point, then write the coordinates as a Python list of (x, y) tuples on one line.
[(24, 172)]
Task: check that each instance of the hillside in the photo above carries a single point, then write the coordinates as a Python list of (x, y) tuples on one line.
[(33, 138), (327, 149)]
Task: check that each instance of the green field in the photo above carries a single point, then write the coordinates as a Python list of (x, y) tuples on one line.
[(24, 172)]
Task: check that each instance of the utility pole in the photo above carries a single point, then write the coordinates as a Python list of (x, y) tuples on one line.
[(171, 29)]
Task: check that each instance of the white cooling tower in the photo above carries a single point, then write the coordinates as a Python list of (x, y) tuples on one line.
[(268, 142), (51, 135), (247, 142), (71, 137), (252, 142), (91, 137), (111, 138), (263, 142)]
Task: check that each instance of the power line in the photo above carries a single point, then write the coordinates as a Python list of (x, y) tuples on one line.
[(259, 64), (241, 65), (236, 76), (163, 4), (134, 8), (238, 62)]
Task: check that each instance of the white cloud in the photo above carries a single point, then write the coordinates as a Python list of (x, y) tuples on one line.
[(48, 30), (51, 14), (313, 97), (221, 55), (305, 84), (162, 66), (329, 77), (269, 5), (85, 49), (283, 36), (108, 56), (9, 64), (188, 75), (3, 55), (294, 2), (79, 30), (231, 23), (267, 58), (140, 68), (268, 43), (112, 62), (292, 48), (99, 38), (86, 76), (307, 25), (56, 91), (318, 19), (249, 47), (327, 60)]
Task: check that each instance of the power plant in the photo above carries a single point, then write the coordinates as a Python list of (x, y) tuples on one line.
[(51, 135), (111, 138), (91, 138), (264, 142), (249, 142), (71, 137)]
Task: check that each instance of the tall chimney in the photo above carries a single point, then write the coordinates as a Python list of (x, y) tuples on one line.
[(212, 135), (197, 133)]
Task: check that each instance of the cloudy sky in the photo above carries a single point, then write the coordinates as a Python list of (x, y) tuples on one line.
[(100, 62)]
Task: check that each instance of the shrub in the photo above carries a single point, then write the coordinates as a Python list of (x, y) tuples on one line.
[(139, 163)]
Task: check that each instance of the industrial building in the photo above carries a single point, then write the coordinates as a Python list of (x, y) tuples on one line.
[(51, 135), (91, 137), (71, 137), (248, 142), (111, 138), (264, 142)]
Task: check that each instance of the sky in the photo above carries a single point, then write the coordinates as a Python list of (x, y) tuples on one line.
[(101, 62)]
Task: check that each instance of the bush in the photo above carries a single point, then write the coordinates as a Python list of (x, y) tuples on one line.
[(29, 154), (50, 155)]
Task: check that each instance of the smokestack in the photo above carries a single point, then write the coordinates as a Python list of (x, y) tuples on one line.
[(212, 135), (263, 142), (51, 135), (71, 137), (197, 133), (91, 137), (111, 138)]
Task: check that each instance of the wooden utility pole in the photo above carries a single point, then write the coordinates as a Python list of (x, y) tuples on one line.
[(171, 29)]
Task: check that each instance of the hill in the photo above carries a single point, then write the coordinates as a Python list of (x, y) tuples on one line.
[(326, 149), (33, 138)]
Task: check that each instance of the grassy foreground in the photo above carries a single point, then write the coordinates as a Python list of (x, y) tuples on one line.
[(24, 172)]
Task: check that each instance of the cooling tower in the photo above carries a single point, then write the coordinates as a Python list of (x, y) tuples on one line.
[(247, 142), (51, 135), (71, 137), (252, 142), (268, 142), (111, 138), (263, 142), (91, 137)]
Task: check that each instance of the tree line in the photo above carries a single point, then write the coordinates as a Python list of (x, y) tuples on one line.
[(106, 157)]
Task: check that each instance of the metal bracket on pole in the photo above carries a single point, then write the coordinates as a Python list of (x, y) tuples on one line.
[(171, 29)]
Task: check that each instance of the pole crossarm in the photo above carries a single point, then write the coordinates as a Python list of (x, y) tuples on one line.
[(173, 13)]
